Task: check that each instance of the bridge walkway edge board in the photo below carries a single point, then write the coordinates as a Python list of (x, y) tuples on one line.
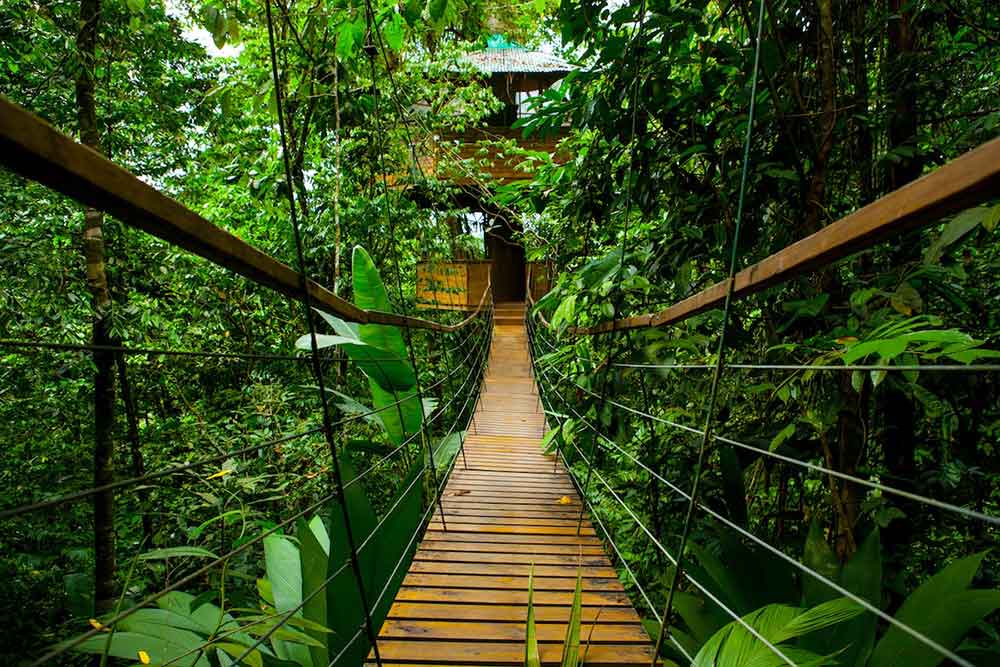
[(464, 599)]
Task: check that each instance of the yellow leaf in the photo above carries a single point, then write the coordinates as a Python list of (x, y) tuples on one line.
[(564, 500), (97, 625), (143, 657), (221, 473)]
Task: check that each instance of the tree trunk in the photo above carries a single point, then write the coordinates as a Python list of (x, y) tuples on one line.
[(901, 82), (816, 192), (896, 407), (865, 143), (97, 281), (138, 463)]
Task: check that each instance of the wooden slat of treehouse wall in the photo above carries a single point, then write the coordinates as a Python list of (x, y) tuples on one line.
[(464, 599)]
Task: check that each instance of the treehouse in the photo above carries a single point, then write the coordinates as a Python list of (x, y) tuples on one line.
[(481, 158)]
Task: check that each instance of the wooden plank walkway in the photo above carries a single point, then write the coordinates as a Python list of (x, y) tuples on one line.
[(464, 600)]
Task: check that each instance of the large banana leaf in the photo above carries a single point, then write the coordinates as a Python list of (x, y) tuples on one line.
[(284, 570), (377, 560), (370, 294), (399, 411), (314, 545), (382, 367), (942, 609), (389, 382)]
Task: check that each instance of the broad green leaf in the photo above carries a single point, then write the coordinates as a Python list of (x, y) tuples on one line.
[(399, 412), (352, 406), (177, 552), (702, 618), (284, 571), (727, 585), (818, 618), (571, 644), (340, 327), (783, 435), (314, 550), (735, 646), (550, 442), (565, 313), (907, 300), (862, 575), (219, 30), (959, 226), (168, 647), (253, 658), (370, 294), (941, 609), (80, 594), (818, 557), (382, 367), (447, 449), (394, 32), (531, 655), (344, 615)]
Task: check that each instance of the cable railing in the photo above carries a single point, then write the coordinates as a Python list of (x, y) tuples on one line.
[(557, 386), (576, 384), (452, 368)]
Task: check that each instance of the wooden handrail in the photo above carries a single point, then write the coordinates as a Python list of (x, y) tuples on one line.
[(34, 149), (965, 181)]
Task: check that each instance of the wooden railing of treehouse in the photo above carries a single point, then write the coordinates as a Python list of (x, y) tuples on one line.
[(447, 156), (34, 149)]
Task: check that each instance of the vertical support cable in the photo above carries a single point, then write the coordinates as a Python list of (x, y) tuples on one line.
[(317, 368), (616, 290), (721, 350), (371, 51)]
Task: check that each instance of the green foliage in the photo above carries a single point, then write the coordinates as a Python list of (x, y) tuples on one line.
[(531, 655), (943, 608), (176, 631), (735, 646)]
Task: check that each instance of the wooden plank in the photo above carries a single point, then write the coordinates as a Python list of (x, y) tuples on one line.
[(486, 559), (601, 633), (504, 529), (494, 582), (490, 538), (34, 149), (568, 550), (968, 180), (503, 653), (512, 569), (516, 597), (463, 520), (506, 613)]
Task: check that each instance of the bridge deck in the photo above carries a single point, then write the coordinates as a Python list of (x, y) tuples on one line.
[(464, 600)]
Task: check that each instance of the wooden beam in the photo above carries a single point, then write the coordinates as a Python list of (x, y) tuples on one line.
[(34, 149), (965, 181)]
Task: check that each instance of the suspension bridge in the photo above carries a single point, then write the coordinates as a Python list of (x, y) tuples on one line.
[(509, 510), (503, 511)]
